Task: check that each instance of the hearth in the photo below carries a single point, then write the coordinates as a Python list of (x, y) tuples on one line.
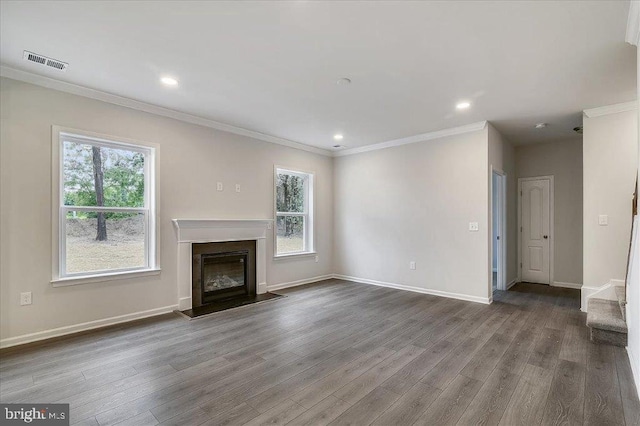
[(223, 271)]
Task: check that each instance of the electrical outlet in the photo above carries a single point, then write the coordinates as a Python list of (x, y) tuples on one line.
[(603, 220), (473, 226), (219, 186), (25, 298), (412, 265), (237, 187), (317, 259)]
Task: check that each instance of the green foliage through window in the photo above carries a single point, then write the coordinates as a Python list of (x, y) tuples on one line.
[(290, 193), (123, 173)]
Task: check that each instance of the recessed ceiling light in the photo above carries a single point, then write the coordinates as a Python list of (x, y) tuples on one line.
[(343, 81), (541, 125), (463, 105), (169, 81), (338, 137)]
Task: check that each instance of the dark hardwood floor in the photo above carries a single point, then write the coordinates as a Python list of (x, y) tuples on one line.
[(339, 353)]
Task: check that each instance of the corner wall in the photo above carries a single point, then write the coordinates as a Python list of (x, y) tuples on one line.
[(633, 279), (502, 158), (414, 203), (192, 158), (610, 153)]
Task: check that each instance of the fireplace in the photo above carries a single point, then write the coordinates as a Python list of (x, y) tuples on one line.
[(223, 271)]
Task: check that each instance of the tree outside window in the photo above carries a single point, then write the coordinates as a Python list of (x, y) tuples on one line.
[(105, 206), (293, 212)]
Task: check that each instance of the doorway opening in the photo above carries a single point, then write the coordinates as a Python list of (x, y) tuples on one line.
[(535, 223), (499, 230)]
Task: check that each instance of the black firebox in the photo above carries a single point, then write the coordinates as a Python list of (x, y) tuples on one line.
[(223, 271)]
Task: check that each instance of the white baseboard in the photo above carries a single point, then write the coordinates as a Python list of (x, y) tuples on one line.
[(304, 281), (458, 296), (512, 283), (62, 331), (635, 368), (585, 293), (185, 303), (566, 285), (605, 291)]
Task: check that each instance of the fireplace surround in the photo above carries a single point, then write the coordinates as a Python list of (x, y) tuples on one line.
[(190, 232)]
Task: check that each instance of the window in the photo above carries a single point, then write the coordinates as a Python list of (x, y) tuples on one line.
[(294, 212), (106, 207)]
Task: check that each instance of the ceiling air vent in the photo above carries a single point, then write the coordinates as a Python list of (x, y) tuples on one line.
[(43, 60)]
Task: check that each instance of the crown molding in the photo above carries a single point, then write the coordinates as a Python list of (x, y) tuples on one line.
[(633, 24), (414, 139), (611, 109), (87, 92)]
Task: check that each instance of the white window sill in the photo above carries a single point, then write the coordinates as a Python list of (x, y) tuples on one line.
[(294, 255), (113, 276)]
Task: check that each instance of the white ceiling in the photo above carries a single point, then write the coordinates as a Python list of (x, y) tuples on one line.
[(272, 67)]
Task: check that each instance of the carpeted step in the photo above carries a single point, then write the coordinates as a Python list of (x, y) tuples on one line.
[(621, 293), (606, 322)]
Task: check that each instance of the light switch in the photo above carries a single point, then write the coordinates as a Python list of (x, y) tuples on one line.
[(219, 186), (603, 220), (237, 187), (473, 226)]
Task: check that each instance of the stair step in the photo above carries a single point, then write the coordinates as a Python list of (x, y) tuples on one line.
[(607, 324), (621, 294)]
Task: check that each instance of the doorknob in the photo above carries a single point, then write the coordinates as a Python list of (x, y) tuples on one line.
[(545, 237)]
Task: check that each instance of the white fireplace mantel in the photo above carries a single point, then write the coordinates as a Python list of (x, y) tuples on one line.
[(190, 231)]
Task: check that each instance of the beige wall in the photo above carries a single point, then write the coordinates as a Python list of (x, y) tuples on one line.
[(414, 203), (192, 158), (610, 167), (502, 158), (563, 161)]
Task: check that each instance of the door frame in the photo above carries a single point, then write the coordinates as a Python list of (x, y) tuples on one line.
[(551, 225), (502, 221)]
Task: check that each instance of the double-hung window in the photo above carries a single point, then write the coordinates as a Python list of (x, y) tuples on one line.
[(106, 207), (294, 212)]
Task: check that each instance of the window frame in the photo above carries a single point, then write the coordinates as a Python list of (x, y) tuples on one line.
[(308, 213), (59, 210)]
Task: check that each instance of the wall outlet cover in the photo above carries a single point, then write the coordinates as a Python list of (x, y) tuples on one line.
[(25, 298), (412, 265), (603, 220), (473, 226), (219, 186)]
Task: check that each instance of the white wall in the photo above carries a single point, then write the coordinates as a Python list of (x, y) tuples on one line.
[(414, 203), (633, 280), (192, 158), (610, 152), (502, 158), (562, 160)]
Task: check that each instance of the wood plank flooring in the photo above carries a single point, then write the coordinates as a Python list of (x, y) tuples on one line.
[(339, 353)]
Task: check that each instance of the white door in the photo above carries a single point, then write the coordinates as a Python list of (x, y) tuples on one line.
[(536, 238)]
